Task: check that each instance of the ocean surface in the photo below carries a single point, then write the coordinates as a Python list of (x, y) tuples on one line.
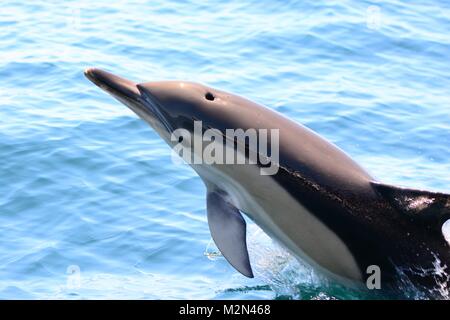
[(91, 205)]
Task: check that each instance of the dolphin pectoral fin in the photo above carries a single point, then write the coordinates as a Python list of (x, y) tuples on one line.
[(421, 204), (228, 229)]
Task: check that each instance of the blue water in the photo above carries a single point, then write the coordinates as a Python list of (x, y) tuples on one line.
[(91, 205)]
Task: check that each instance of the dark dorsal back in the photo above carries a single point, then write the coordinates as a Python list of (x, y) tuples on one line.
[(419, 204)]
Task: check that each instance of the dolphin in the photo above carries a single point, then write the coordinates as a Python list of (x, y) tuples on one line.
[(319, 204)]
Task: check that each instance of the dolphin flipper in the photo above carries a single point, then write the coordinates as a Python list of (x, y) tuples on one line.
[(228, 229)]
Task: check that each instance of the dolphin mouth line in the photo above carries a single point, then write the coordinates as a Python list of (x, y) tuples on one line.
[(128, 90), (152, 104)]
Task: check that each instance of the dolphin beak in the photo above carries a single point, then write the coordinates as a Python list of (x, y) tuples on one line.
[(119, 87), (133, 95)]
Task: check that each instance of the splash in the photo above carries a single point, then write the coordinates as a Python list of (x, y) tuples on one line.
[(212, 252), (440, 274), (277, 268)]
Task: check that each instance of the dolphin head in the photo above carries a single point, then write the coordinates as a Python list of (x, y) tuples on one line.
[(171, 105)]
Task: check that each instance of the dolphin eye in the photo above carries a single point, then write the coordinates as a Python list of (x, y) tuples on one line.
[(209, 96)]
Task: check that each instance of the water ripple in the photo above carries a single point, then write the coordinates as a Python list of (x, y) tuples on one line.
[(87, 184)]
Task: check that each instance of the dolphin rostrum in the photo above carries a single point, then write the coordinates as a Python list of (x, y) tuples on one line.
[(318, 203)]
